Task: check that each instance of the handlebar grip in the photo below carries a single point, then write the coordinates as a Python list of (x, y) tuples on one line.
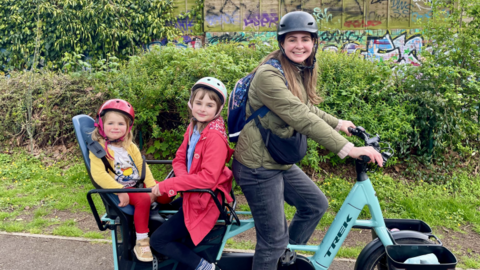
[(351, 130), (365, 159)]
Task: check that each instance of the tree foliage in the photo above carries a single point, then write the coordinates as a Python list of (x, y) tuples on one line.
[(91, 27)]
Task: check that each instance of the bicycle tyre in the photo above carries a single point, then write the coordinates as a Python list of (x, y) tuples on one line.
[(377, 259)]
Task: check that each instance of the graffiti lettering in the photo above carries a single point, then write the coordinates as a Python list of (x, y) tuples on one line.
[(374, 16), (417, 16), (243, 37), (321, 15), (341, 37), (400, 49), (358, 23), (184, 24), (235, 37), (400, 8), (262, 19), (213, 20)]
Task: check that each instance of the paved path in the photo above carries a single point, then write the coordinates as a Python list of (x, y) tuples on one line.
[(24, 251)]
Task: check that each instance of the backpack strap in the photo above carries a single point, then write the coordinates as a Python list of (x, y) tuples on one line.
[(262, 111)]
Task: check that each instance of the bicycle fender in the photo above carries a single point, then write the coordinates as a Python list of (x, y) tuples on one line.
[(376, 243)]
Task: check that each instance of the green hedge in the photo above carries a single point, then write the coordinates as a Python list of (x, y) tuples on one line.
[(56, 98), (391, 102), (90, 27)]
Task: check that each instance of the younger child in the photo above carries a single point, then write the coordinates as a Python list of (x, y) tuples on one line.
[(199, 164), (113, 129)]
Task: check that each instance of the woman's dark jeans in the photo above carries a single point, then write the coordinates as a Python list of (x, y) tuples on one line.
[(266, 191)]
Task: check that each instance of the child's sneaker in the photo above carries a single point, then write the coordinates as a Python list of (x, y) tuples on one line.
[(204, 265), (143, 251)]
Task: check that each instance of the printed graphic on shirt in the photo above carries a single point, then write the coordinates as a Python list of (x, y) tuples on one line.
[(126, 172)]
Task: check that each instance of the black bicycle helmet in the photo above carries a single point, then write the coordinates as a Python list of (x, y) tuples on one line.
[(298, 21)]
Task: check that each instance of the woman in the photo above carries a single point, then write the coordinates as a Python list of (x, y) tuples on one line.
[(289, 93)]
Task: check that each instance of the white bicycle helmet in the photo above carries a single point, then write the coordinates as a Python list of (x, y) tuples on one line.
[(212, 84)]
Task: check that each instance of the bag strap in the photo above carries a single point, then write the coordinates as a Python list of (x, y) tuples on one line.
[(262, 111)]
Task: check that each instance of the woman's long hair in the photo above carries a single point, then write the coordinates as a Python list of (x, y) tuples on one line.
[(290, 70)]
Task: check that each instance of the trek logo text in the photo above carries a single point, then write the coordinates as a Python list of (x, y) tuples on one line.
[(339, 235)]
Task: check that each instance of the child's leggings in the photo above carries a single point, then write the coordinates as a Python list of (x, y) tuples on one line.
[(166, 241), (141, 215), (141, 202)]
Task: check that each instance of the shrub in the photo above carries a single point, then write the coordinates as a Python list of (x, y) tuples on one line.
[(364, 93), (443, 92), (56, 99)]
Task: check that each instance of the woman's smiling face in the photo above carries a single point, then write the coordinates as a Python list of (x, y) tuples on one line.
[(298, 46)]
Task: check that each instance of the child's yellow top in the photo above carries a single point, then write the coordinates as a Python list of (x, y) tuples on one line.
[(107, 180)]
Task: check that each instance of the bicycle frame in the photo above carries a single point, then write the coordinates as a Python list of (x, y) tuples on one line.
[(361, 194)]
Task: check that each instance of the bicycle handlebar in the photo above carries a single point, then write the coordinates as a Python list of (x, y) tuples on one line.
[(374, 142)]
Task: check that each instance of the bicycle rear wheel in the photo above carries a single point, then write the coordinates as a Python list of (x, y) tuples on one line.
[(377, 259)]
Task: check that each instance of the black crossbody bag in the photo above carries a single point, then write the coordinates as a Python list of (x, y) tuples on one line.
[(283, 150)]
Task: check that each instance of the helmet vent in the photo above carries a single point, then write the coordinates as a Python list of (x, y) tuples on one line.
[(282, 25), (310, 23)]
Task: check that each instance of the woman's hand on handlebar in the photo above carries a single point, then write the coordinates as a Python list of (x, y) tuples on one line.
[(345, 125), (368, 151)]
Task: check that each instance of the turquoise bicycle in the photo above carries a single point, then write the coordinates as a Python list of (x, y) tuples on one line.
[(120, 222)]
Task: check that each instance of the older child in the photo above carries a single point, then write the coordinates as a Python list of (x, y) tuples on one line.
[(199, 164), (113, 129)]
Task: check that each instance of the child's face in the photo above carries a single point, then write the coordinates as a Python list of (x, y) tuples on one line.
[(114, 126), (204, 109), (298, 46)]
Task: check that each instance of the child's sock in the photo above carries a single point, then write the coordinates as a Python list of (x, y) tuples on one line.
[(204, 265), (141, 236)]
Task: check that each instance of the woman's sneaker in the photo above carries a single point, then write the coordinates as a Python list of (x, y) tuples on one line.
[(142, 250)]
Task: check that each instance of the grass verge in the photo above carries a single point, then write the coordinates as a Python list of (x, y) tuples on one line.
[(35, 192)]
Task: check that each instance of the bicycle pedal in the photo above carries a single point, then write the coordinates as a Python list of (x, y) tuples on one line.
[(288, 258)]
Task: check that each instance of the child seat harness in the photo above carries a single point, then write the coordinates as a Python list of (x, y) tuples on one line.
[(99, 152)]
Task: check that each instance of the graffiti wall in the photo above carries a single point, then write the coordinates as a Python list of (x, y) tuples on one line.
[(262, 15), (377, 29)]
